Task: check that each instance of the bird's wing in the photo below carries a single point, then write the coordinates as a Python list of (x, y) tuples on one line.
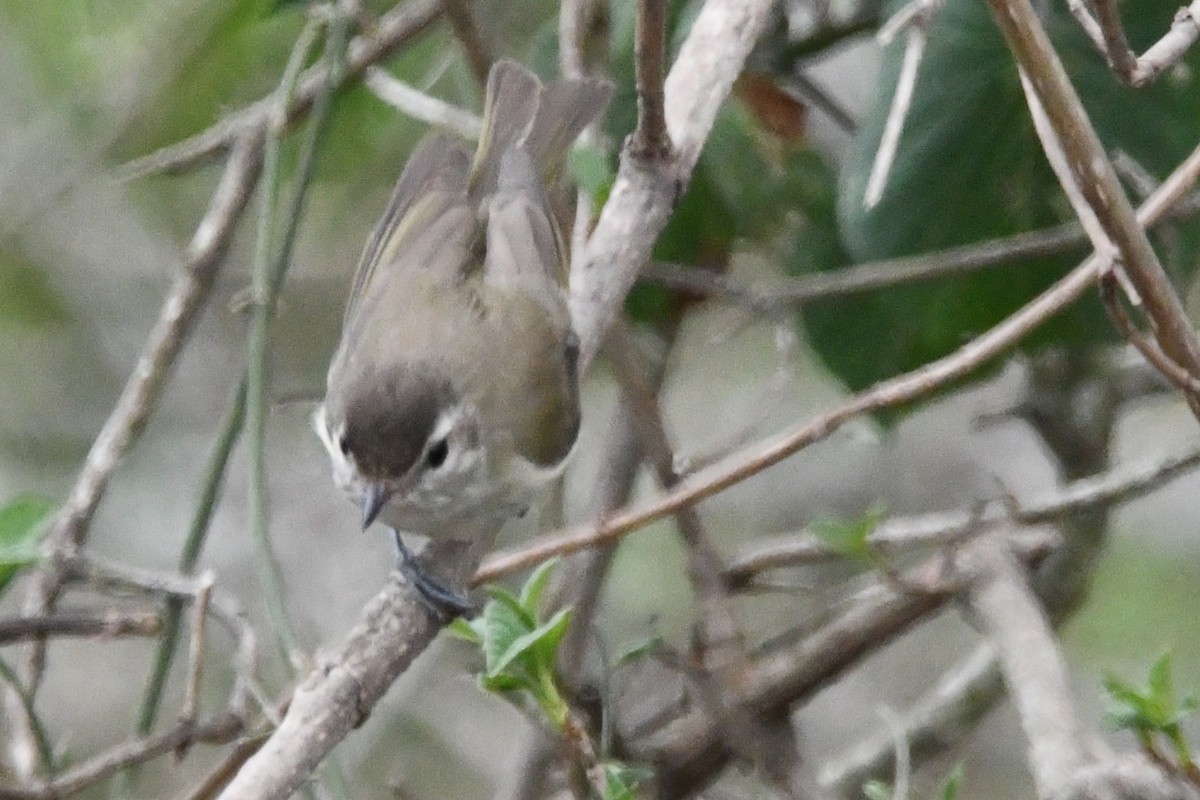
[(438, 167)]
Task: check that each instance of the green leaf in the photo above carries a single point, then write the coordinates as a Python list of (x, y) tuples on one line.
[(535, 586), (536, 648), (849, 537), (469, 631), (877, 790), (504, 623), (621, 781), (953, 782), (969, 167), (1160, 687), (23, 522), (640, 650)]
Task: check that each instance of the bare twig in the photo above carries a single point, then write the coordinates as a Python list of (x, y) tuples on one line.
[(393, 31), (271, 261), (722, 648), (219, 729), (916, 17), (191, 690), (214, 477), (938, 722), (691, 749), (753, 459), (104, 624), (941, 529), (650, 141), (140, 395), (479, 55), (1108, 34), (420, 106), (1098, 182), (1177, 375), (224, 771)]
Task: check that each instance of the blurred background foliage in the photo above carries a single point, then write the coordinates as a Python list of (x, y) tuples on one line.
[(89, 84)]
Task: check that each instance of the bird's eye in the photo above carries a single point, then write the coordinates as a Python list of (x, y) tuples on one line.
[(437, 453), (344, 445)]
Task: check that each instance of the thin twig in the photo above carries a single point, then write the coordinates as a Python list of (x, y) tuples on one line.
[(722, 647), (941, 529), (180, 310), (916, 17), (1177, 375), (195, 672), (1096, 179), (224, 771), (104, 624), (904, 388), (650, 141), (1108, 35), (479, 55), (218, 729), (32, 723), (420, 106), (391, 32), (193, 544), (270, 266)]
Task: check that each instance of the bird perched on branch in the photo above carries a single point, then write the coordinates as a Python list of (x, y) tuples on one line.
[(453, 397)]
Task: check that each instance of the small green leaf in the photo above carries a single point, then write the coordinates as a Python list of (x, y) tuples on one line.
[(953, 782), (535, 648), (621, 781), (849, 537), (877, 790), (22, 524), (504, 623), (640, 650), (467, 631), (535, 586), (1160, 687), (507, 682)]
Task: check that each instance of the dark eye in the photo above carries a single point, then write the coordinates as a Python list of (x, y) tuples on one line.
[(344, 444), (437, 454)]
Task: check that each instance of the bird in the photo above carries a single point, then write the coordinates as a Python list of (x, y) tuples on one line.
[(452, 398)]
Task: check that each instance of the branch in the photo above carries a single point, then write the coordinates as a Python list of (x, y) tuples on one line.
[(1095, 178), (1108, 34), (644, 195), (751, 460), (394, 29), (124, 425), (479, 55), (104, 624), (946, 528), (394, 629), (420, 106), (650, 141), (220, 729), (1034, 671)]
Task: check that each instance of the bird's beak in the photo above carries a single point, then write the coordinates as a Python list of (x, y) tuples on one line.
[(373, 502)]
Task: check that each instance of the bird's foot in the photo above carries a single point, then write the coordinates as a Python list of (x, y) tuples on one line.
[(442, 601)]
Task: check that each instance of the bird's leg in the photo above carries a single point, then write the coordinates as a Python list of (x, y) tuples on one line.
[(439, 598)]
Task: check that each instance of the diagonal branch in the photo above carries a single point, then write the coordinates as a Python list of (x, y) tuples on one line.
[(393, 30), (1097, 181)]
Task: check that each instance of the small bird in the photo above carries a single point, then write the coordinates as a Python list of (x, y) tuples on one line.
[(453, 398)]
